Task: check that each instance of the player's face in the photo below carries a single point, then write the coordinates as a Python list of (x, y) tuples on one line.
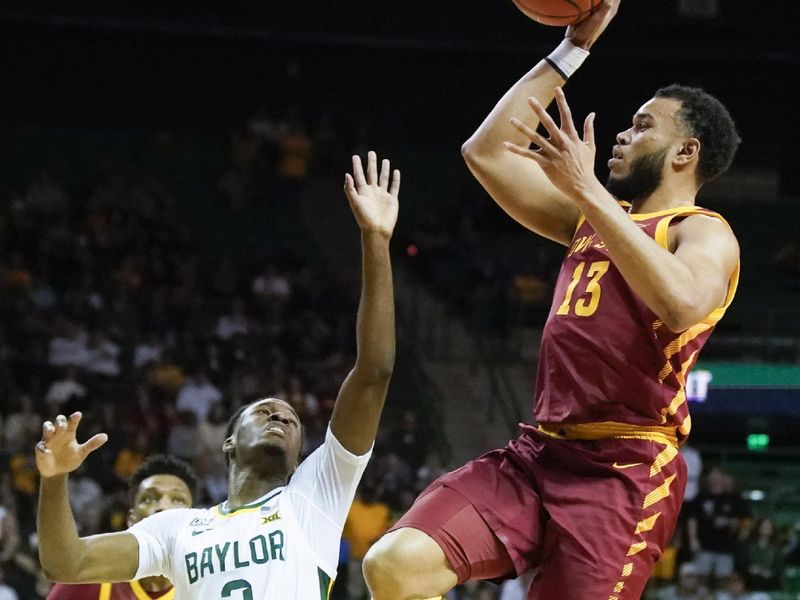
[(157, 493), (636, 168), (270, 426)]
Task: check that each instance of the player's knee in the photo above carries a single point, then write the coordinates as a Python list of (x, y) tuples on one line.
[(388, 563), (406, 563)]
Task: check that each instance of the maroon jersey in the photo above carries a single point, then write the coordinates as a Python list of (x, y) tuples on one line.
[(606, 358), (129, 590)]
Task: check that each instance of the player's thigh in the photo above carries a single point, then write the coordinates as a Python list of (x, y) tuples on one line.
[(606, 533)]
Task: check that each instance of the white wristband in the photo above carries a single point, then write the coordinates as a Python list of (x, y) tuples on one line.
[(567, 58)]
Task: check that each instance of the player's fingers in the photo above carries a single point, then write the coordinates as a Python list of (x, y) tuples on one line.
[(522, 127), (534, 136), (93, 443), (72, 422), (41, 447), (546, 120), (394, 189), (61, 423), (349, 184), (588, 130), (386, 170), (564, 111), (358, 171), (526, 152), (372, 168), (48, 429)]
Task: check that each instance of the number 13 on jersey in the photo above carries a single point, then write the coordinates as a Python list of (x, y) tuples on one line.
[(585, 306)]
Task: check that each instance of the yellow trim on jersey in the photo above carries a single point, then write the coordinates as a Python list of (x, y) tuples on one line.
[(247, 508), (105, 591), (610, 429), (141, 594)]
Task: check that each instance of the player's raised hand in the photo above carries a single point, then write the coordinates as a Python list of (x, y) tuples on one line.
[(585, 33), (565, 157), (59, 452), (373, 198)]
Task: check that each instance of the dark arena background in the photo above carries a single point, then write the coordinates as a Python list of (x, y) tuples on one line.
[(175, 242)]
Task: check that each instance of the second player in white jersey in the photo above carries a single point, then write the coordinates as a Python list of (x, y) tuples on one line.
[(277, 536), (283, 545)]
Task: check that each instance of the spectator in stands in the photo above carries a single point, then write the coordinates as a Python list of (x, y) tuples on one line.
[(209, 462), (233, 323), (763, 558), (148, 351), (68, 346), (6, 592), (64, 389), (271, 286), (689, 586), (102, 355), (21, 424), (198, 394), (86, 499), (131, 456), (734, 589), (406, 440), (712, 527)]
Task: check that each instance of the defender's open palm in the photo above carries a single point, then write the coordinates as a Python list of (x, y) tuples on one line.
[(373, 198), (59, 452)]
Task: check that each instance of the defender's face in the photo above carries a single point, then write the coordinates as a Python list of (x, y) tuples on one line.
[(654, 128), (158, 493), (271, 425)]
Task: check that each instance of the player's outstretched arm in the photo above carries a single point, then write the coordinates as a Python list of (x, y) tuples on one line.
[(517, 185), (373, 199), (64, 555)]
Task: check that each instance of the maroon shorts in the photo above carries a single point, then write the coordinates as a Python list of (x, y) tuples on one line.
[(594, 516)]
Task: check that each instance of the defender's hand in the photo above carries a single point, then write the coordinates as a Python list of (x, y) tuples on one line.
[(565, 157), (373, 199), (585, 34), (59, 452)]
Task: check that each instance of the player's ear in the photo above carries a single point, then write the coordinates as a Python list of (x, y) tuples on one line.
[(228, 446), (131, 520), (688, 152)]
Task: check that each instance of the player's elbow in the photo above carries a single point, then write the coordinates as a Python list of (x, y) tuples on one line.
[(681, 315), (62, 568)]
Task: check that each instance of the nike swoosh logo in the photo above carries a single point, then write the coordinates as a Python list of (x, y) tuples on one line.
[(194, 533), (627, 466)]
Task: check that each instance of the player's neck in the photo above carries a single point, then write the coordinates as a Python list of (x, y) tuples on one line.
[(246, 485), (664, 198), (155, 584)]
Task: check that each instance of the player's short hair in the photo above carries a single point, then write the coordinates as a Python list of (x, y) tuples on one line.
[(706, 118), (162, 464), (230, 428)]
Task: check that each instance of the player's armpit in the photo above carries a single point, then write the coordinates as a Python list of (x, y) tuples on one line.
[(107, 557), (524, 192), (709, 249)]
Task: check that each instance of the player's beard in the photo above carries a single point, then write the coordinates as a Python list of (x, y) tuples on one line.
[(644, 178)]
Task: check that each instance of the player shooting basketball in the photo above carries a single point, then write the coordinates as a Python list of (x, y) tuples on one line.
[(277, 535), (591, 495)]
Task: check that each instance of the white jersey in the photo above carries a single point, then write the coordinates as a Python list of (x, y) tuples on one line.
[(283, 546)]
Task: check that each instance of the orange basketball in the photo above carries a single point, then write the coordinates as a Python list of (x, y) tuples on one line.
[(557, 12)]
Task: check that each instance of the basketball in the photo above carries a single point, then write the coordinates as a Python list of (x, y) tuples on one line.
[(557, 12)]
